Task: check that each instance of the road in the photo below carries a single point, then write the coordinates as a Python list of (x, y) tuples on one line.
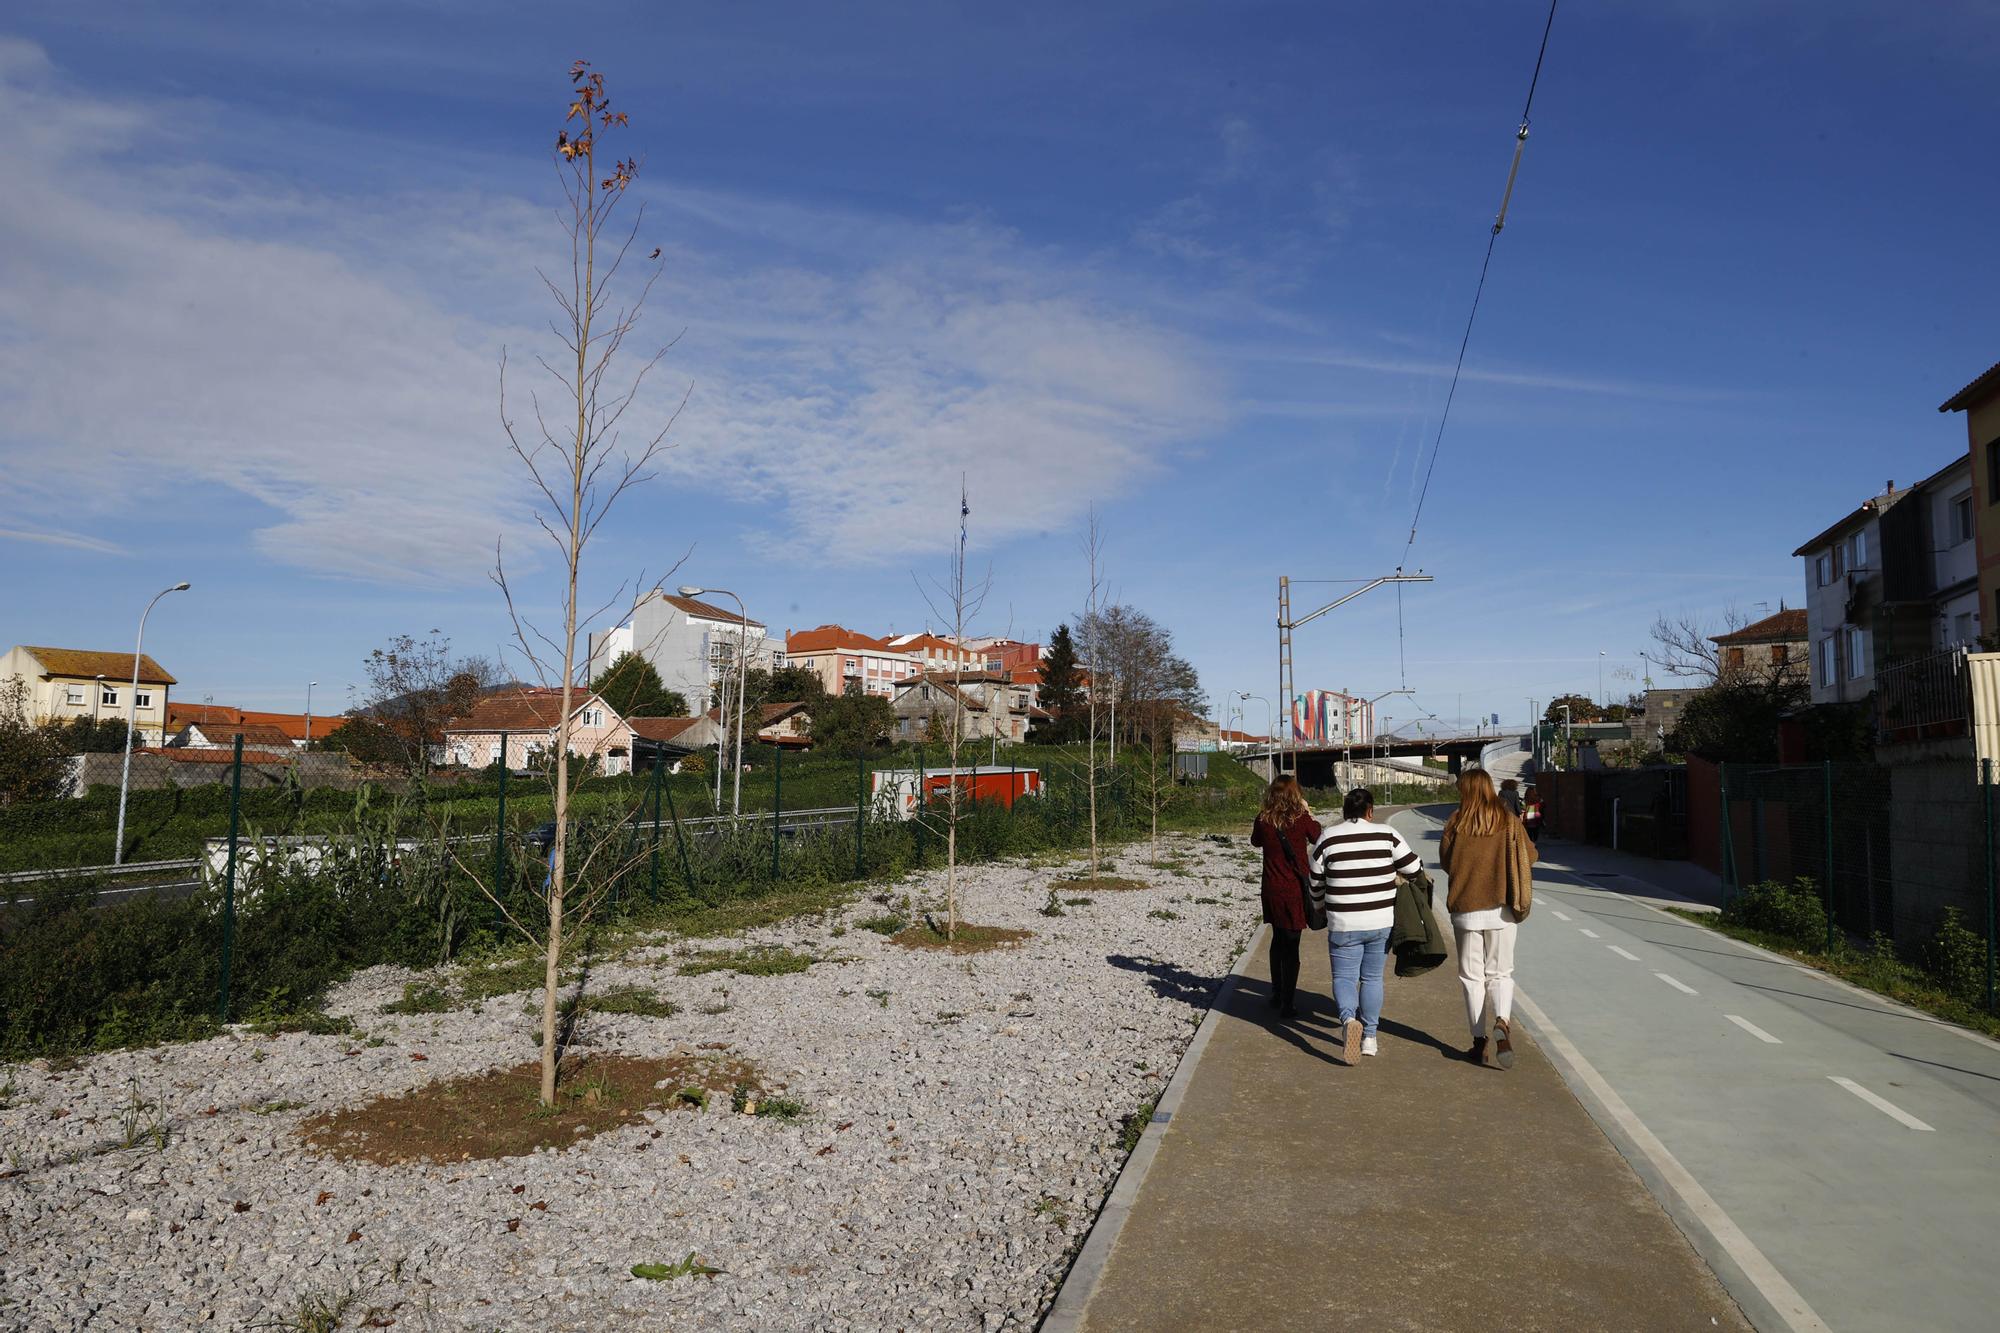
[(1835, 1157)]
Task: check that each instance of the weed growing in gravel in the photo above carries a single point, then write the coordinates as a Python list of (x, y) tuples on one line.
[(886, 924), (1052, 1208), (422, 997), (690, 1266), (697, 1097), (720, 1006), (314, 1022), (636, 1000), (1207, 902), (1162, 914), (315, 1313), (477, 984), (880, 997), (971, 938), (1053, 907), (273, 1108), (781, 1108), (755, 961), (1102, 884), (1135, 1125), (1080, 902), (141, 1123)]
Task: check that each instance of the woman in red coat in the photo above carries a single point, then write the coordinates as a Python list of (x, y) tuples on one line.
[(1286, 830)]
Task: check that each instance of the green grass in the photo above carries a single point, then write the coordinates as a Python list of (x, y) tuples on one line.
[(887, 924), (1135, 1125), (423, 997), (1877, 969), (753, 961), (636, 1000)]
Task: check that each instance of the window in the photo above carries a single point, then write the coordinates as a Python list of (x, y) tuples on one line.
[(142, 699), (593, 717), (1961, 519), (1733, 659), (1993, 472), (109, 697), (1857, 652), (1825, 672), (1781, 653), (1962, 630), (1857, 550), (73, 695)]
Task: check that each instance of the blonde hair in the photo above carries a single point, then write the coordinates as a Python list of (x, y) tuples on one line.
[(1479, 812), (1283, 802)]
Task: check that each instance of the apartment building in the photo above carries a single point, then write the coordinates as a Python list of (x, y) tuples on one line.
[(62, 684), (840, 656), (1980, 401), (691, 643)]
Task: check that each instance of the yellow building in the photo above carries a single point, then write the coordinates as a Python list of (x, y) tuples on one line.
[(1980, 401), (67, 683)]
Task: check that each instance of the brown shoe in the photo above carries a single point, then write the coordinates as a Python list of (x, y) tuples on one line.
[(1351, 1050), (1478, 1052), (1503, 1048)]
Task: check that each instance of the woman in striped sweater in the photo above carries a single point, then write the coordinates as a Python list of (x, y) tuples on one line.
[(1355, 864)]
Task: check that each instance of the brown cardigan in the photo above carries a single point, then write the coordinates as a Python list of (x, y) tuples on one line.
[(1490, 871)]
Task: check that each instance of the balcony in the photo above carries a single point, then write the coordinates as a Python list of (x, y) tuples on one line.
[(1923, 698)]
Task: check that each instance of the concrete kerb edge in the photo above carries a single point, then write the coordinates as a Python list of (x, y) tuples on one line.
[(1065, 1313)]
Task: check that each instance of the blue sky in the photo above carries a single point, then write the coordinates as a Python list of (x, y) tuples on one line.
[(1201, 266)]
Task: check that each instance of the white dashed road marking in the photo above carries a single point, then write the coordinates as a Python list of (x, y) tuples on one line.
[(1888, 1108), (1680, 986), (1560, 916), (1591, 933), (1621, 953), (1753, 1029)]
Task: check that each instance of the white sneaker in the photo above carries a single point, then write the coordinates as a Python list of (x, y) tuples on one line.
[(1368, 1046)]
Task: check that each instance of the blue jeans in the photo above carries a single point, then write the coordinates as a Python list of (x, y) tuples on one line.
[(1357, 957)]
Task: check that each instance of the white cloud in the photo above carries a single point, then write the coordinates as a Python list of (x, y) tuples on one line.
[(321, 369), (74, 540)]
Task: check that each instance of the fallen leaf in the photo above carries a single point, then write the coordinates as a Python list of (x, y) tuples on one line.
[(324, 1195), (540, 1205), (353, 1236), (213, 1110), (843, 1127), (520, 1189), (418, 1055), (824, 1151), (240, 1206), (513, 1224)]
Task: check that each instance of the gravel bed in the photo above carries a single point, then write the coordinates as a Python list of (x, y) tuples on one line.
[(963, 1128)]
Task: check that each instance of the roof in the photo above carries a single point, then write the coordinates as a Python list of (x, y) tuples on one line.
[(833, 638), (253, 733), (1867, 510), (292, 724), (1982, 388), (185, 756), (660, 728), (706, 610), (524, 708), (1787, 626), (86, 663)]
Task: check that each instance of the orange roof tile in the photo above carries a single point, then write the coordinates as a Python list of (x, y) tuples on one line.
[(524, 708), (1787, 626)]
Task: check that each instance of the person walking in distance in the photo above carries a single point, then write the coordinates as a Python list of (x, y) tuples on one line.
[(1488, 857), (1531, 812), (1510, 796), (1355, 864), (1285, 829)]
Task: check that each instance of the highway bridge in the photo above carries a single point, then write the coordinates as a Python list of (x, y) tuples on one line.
[(1316, 764)]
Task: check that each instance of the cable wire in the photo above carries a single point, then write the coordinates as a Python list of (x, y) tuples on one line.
[(1520, 141)]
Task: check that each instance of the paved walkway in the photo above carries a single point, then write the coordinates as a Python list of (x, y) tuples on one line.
[(1415, 1191)]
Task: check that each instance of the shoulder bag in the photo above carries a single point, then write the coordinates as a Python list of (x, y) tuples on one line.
[(1315, 913)]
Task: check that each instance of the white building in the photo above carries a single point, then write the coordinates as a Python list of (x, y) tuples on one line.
[(62, 684), (690, 643)]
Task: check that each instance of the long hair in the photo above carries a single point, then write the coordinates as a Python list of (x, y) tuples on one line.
[(1479, 812), (1283, 803)]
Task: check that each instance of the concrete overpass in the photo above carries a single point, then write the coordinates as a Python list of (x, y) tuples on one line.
[(1318, 764)]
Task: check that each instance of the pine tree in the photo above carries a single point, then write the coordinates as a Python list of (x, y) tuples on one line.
[(1061, 691)]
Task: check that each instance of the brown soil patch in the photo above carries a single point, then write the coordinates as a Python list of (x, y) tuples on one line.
[(498, 1113), (969, 938), (1102, 884)]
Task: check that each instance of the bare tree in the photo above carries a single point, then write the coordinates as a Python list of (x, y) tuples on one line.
[(956, 601), (414, 688), (580, 465), (1687, 647), (1093, 559)]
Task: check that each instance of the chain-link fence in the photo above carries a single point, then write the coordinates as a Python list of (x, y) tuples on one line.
[(1902, 854), (235, 899)]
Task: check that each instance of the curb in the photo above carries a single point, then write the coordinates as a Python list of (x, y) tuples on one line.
[(1065, 1313)]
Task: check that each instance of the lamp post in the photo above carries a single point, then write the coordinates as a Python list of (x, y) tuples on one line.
[(1600, 678), (742, 638), (132, 719), (309, 714), (97, 702)]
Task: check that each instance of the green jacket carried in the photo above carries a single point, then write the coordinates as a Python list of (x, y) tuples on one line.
[(1415, 938)]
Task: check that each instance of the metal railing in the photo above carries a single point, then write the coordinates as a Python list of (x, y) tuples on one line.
[(1923, 698)]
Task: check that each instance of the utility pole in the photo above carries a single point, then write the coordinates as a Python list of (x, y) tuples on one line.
[(1287, 624)]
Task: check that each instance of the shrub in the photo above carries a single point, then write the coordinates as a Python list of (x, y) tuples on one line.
[(1792, 912), (1955, 958)]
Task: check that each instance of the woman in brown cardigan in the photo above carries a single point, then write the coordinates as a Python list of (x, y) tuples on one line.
[(1286, 830), (1487, 855)]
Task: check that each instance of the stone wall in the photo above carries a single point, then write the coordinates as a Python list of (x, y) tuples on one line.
[(1938, 856)]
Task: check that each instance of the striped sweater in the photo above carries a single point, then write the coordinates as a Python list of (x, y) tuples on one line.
[(1354, 866)]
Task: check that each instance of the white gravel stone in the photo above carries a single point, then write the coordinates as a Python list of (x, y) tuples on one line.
[(963, 1131)]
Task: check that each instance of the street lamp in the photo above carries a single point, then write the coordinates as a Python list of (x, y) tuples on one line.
[(1600, 678), (132, 720), (1269, 720), (309, 714), (97, 703), (742, 638)]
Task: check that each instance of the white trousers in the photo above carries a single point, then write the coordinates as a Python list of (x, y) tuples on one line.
[(1486, 970)]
